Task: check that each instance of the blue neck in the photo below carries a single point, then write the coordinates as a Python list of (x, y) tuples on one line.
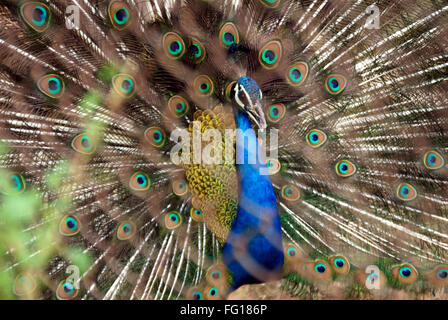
[(253, 250)]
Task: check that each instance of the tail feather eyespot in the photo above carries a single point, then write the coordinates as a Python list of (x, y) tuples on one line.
[(271, 54), (69, 225), (406, 192), (51, 85), (24, 284), (340, 264), (297, 73), (195, 294), (345, 168), (290, 192), (124, 85), (405, 273), (155, 136), (82, 143), (273, 165), (197, 51), (180, 187), (119, 14), (126, 230), (197, 215), (66, 290), (316, 138), (173, 45), (178, 106), (203, 86), (229, 35), (217, 275), (320, 270), (13, 184), (276, 112), (433, 160), (37, 15), (270, 3), (438, 276), (335, 84), (139, 181), (173, 220), (292, 253)]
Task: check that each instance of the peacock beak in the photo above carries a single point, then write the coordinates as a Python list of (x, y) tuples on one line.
[(256, 114)]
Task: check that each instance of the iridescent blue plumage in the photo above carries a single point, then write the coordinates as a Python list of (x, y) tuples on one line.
[(253, 250)]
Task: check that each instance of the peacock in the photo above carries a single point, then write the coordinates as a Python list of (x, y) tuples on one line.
[(219, 149)]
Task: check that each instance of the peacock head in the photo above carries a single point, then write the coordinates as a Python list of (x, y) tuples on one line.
[(247, 95)]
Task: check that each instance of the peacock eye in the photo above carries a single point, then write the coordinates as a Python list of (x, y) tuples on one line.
[(51, 85), (405, 273), (24, 284), (196, 215), (406, 192), (119, 14), (124, 85), (320, 268), (203, 85), (173, 220), (290, 193), (273, 166), (335, 84), (37, 15), (297, 73), (66, 290), (373, 277), (83, 144), (126, 230), (15, 183), (340, 264), (345, 168), (216, 275), (229, 34), (156, 136), (316, 138), (69, 225), (178, 106), (433, 160), (439, 276), (194, 294), (139, 181), (197, 295), (270, 54), (442, 274), (173, 45), (180, 187), (197, 51), (292, 252), (276, 112), (212, 293), (270, 3)]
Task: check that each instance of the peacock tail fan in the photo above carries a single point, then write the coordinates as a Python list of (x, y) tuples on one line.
[(102, 195)]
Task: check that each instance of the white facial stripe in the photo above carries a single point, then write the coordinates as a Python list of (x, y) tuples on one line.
[(248, 98), (236, 96)]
